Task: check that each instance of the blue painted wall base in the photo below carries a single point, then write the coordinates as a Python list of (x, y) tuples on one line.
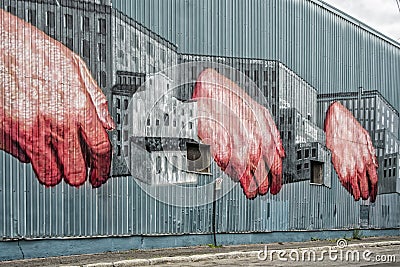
[(25, 249)]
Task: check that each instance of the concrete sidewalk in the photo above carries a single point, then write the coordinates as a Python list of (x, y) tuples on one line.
[(177, 256)]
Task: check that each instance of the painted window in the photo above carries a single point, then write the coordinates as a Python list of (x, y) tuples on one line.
[(68, 22), (101, 26), (31, 16), (85, 49), (85, 24), (50, 19)]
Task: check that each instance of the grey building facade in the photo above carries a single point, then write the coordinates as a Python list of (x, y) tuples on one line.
[(291, 50)]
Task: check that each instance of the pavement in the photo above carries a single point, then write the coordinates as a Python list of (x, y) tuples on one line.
[(208, 255)]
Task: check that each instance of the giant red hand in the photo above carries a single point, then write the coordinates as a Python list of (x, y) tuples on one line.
[(243, 137), (353, 154), (52, 112)]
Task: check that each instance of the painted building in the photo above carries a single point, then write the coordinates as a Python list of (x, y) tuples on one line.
[(137, 53), (307, 158), (161, 132)]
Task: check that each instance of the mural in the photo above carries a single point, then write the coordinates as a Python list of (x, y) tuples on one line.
[(55, 116)]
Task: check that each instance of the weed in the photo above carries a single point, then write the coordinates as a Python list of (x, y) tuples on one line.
[(357, 234), (214, 246)]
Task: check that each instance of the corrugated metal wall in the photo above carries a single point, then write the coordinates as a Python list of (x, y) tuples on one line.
[(328, 51), (121, 207)]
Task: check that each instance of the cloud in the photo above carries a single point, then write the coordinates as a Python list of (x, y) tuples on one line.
[(383, 16)]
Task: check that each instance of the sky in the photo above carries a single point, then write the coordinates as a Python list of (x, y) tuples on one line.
[(382, 15)]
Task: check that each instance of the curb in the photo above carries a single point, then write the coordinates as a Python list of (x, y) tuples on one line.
[(218, 256)]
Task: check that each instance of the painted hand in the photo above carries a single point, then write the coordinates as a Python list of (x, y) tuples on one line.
[(244, 140), (52, 112), (353, 154)]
